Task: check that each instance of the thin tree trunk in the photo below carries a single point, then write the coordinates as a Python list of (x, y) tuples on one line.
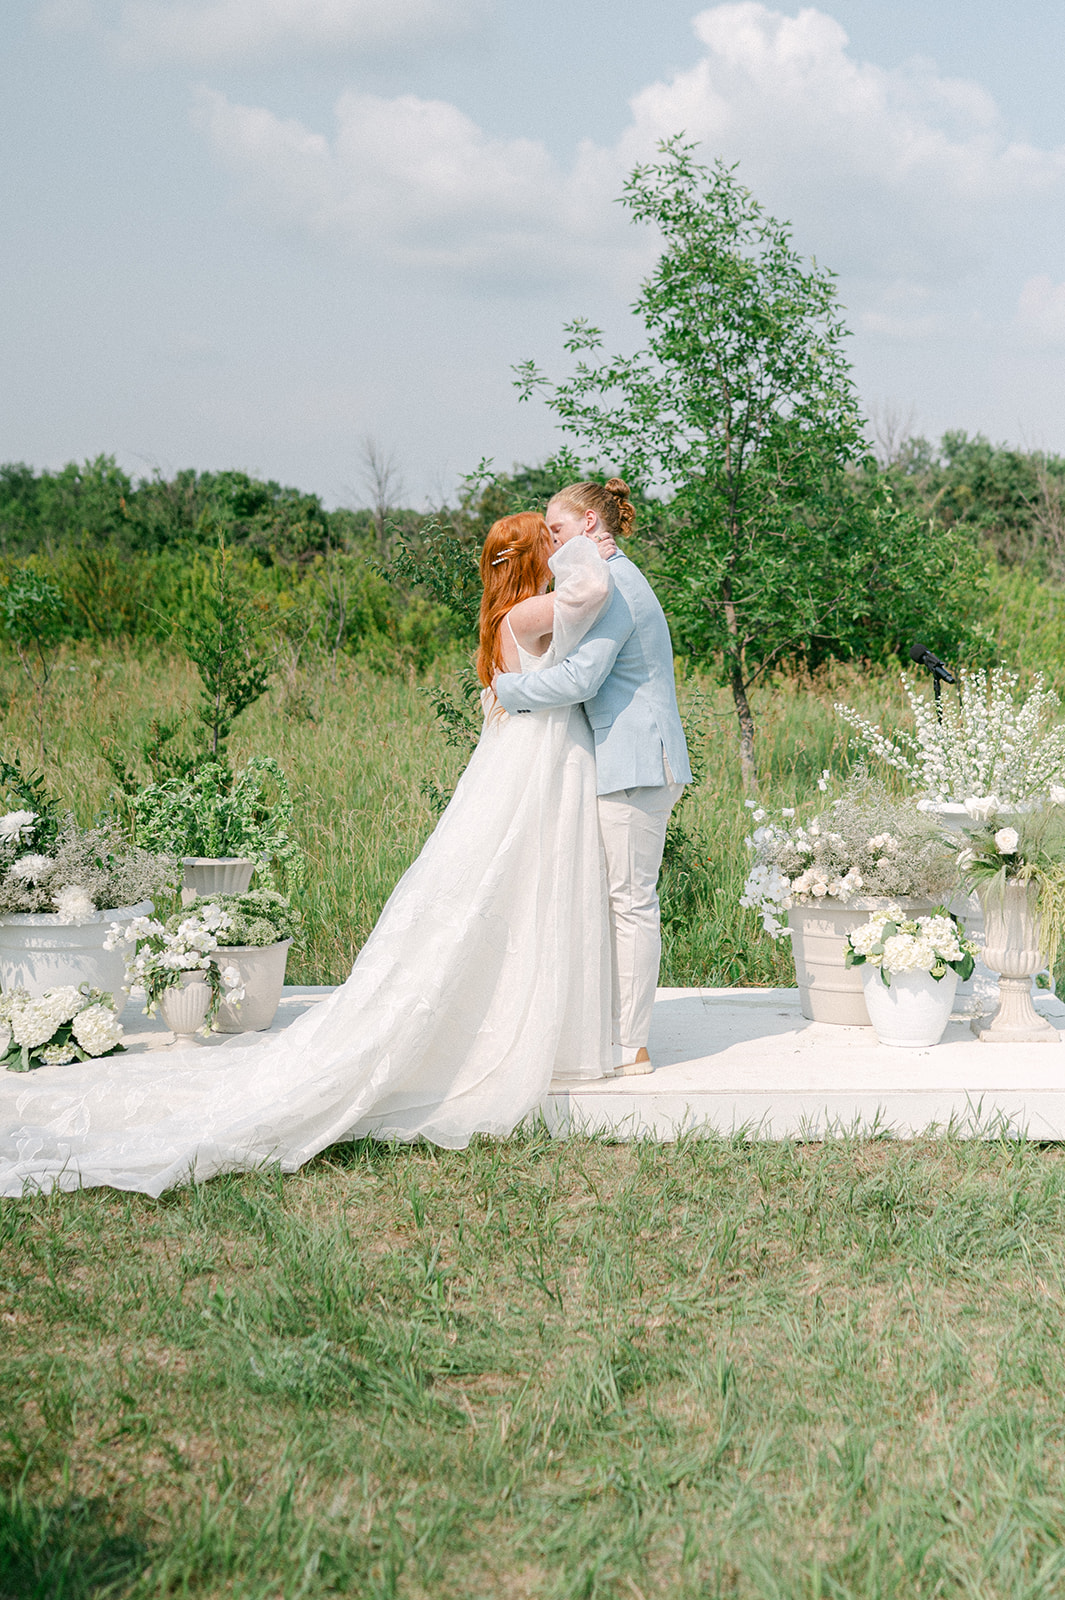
[(748, 770)]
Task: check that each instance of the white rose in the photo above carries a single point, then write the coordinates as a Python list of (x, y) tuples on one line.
[(1057, 795), (97, 1030), (73, 904), (980, 807), (1006, 841)]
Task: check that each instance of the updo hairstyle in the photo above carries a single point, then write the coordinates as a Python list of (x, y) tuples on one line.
[(610, 502), (513, 567)]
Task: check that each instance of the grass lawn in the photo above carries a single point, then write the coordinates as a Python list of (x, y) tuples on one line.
[(534, 1369), (545, 1369)]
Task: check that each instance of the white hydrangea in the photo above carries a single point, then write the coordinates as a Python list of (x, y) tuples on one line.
[(58, 1055), (32, 1024), (863, 938), (901, 953), (73, 904), (63, 1002), (97, 1030), (31, 868), (16, 825)]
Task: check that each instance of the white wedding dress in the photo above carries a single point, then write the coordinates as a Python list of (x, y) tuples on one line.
[(487, 975)]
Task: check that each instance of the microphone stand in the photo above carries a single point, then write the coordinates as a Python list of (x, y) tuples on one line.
[(941, 673)]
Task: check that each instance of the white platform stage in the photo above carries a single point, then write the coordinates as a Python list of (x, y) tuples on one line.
[(731, 1059)]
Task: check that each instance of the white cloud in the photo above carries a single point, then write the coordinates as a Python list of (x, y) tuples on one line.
[(207, 31), (1041, 310), (417, 182), (901, 179)]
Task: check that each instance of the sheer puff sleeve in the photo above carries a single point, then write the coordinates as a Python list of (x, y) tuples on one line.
[(583, 587)]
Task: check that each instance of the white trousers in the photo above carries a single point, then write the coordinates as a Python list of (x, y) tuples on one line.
[(632, 826)]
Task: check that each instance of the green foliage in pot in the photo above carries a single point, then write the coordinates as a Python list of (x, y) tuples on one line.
[(213, 812), (48, 863), (1026, 847), (258, 918)]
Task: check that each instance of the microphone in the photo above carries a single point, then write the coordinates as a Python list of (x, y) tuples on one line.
[(924, 658)]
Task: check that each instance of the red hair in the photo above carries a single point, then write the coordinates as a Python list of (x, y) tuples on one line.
[(513, 567)]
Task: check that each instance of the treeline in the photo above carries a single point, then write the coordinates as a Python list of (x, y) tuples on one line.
[(398, 587), (1012, 500)]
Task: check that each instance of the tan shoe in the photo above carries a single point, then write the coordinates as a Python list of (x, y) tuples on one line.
[(637, 1068)]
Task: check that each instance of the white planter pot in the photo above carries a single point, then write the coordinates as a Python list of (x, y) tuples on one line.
[(913, 1011), (829, 990), (1012, 949), (262, 972), (184, 1006), (38, 952), (215, 875)]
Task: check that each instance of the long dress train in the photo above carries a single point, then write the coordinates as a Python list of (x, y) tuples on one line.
[(487, 974)]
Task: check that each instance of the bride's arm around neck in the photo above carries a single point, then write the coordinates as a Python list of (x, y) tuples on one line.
[(583, 586)]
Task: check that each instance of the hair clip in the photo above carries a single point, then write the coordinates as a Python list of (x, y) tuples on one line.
[(500, 558)]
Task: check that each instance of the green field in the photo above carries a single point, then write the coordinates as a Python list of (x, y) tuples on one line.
[(532, 1369), (545, 1370)]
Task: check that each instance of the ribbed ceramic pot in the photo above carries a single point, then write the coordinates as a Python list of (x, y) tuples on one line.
[(829, 990), (913, 1011), (184, 1007), (1012, 949), (39, 952), (262, 974), (215, 875)]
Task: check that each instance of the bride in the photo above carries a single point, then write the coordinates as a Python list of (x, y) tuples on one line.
[(487, 975)]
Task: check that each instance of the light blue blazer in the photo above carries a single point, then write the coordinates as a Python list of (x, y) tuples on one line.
[(622, 673)]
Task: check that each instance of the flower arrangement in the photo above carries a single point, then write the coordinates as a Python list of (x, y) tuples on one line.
[(213, 812), (1029, 848), (62, 1025), (255, 919), (866, 843), (50, 864), (162, 951), (895, 943), (982, 743)]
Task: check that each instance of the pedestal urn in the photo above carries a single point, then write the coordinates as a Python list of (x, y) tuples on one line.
[(1012, 949)]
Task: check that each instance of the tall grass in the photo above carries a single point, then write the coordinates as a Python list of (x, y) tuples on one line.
[(359, 747)]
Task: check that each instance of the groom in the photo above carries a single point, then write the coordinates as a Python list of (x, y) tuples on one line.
[(622, 673)]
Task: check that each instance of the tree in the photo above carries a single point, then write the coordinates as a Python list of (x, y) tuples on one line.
[(741, 408), (381, 476), (36, 620), (225, 642)]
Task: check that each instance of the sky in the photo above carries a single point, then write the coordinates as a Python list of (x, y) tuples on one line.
[(256, 233)]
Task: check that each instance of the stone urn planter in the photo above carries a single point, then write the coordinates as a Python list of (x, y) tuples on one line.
[(913, 1011), (210, 875), (829, 990), (1011, 918), (39, 952), (262, 973), (184, 1006)]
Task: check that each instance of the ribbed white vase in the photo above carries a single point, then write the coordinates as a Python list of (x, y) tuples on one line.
[(184, 1006), (1012, 949)]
